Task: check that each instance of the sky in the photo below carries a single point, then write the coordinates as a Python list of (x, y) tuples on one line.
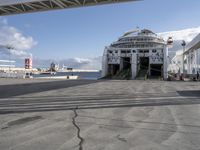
[(84, 32)]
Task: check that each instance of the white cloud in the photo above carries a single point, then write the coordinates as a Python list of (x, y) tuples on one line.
[(185, 34), (178, 36), (82, 60), (92, 63), (10, 36)]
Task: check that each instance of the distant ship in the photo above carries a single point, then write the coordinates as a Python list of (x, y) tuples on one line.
[(52, 71)]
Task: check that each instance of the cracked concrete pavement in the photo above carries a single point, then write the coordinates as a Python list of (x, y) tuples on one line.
[(78, 129), (111, 115)]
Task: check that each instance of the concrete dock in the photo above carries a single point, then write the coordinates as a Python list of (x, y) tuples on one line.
[(99, 115)]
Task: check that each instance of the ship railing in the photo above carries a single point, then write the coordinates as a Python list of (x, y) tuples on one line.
[(139, 41), (136, 47)]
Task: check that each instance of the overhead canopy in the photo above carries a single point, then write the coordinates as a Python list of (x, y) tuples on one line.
[(194, 44), (9, 7)]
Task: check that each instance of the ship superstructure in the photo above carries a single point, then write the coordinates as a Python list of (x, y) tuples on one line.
[(137, 54)]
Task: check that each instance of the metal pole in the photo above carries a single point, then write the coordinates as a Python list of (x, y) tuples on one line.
[(183, 60), (198, 60), (183, 44), (10, 64), (197, 69)]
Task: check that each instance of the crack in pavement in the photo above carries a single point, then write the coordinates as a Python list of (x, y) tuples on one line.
[(78, 129), (120, 138)]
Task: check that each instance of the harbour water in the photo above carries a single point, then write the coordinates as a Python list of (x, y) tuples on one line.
[(82, 75)]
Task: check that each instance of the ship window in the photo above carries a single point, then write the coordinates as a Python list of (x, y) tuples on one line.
[(134, 51), (128, 51), (110, 52), (141, 51), (123, 51), (154, 50), (116, 51), (146, 51)]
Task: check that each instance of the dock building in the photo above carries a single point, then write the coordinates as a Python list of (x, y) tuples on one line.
[(187, 60)]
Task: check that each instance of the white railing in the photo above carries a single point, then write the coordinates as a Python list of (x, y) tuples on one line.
[(136, 47), (139, 41)]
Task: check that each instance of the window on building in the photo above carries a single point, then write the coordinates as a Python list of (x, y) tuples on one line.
[(154, 51), (141, 51)]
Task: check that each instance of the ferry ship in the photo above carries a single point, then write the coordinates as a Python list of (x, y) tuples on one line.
[(138, 54)]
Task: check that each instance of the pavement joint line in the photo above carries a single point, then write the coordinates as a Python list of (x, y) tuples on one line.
[(97, 101), (75, 97)]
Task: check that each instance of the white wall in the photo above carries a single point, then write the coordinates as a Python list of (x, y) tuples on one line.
[(193, 61)]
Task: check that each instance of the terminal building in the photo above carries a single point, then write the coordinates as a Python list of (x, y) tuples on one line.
[(136, 54), (190, 56)]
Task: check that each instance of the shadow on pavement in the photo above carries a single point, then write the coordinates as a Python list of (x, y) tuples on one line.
[(7, 91), (190, 93)]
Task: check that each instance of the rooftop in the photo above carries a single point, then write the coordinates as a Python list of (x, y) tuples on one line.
[(194, 44), (137, 32)]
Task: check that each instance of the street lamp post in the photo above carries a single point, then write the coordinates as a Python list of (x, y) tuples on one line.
[(183, 44), (9, 47)]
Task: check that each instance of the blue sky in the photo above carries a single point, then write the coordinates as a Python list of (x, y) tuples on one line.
[(84, 32)]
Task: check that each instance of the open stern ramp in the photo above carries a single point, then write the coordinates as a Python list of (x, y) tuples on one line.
[(10, 7)]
